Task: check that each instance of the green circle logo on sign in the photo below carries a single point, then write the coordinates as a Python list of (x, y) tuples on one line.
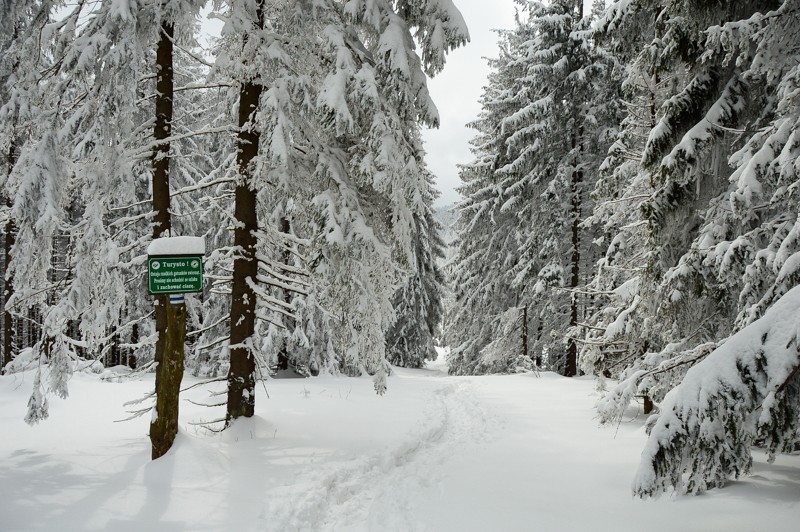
[(156, 265), (195, 263)]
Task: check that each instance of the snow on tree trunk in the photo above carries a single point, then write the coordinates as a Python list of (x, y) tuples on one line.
[(242, 373), (10, 229), (8, 284)]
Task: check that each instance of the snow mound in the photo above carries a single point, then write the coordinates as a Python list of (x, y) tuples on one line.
[(177, 245)]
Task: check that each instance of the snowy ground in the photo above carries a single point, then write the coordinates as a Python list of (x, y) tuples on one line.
[(436, 453)]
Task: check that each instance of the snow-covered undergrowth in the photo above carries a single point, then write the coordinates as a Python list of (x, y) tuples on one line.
[(435, 453)]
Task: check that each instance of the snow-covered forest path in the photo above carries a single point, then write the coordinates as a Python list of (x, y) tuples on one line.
[(378, 491), (436, 453)]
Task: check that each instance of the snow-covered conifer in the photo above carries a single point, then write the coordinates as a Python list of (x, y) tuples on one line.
[(709, 187), (342, 93), (418, 303), (81, 231), (484, 246), (553, 119)]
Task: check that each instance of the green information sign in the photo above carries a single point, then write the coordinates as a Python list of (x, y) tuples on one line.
[(175, 274)]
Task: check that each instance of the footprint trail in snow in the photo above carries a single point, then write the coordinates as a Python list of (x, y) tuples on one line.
[(375, 492)]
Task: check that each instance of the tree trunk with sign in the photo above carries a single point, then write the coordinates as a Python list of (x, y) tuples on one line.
[(170, 320)]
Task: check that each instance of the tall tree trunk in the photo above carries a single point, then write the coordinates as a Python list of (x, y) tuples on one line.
[(170, 320), (34, 325), (8, 285), (539, 330), (241, 376), (283, 354), (114, 351), (9, 240), (571, 368), (525, 331), (131, 359), (163, 129)]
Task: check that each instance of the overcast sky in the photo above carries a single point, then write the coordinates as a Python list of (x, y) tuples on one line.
[(457, 89)]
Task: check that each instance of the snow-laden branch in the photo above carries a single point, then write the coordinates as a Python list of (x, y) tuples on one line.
[(209, 327), (146, 151), (745, 390)]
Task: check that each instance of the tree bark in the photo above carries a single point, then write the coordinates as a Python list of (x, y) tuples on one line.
[(648, 404), (283, 354), (170, 319), (162, 130), (169, 373), (525, 331), (241, 376), (162, 223), (571, 368), (131, 358), (8, 244), (8, 285)]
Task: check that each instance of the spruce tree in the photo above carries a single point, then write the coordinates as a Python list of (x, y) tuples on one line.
[(746, 390), (78, 184), (553, 119), (485, 247), (704, 189), (418, 304), (343, 93), (745, 393)]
